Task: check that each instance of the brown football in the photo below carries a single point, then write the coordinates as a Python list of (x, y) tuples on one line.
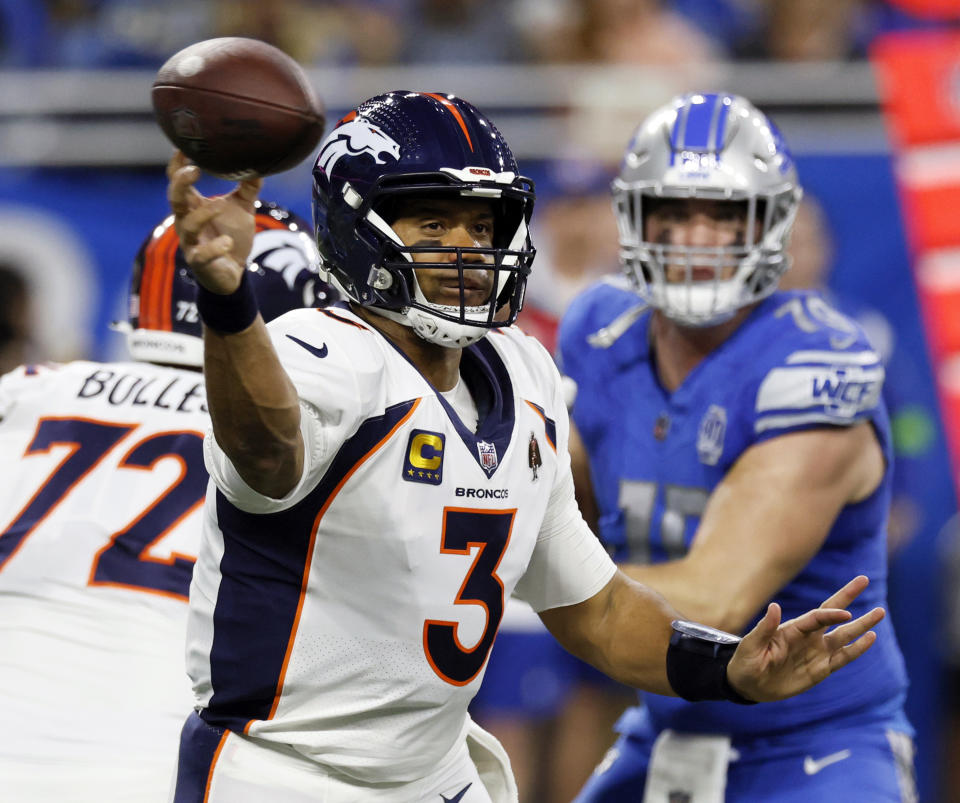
[(238, 107)]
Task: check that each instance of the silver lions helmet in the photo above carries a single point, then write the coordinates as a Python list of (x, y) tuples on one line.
[(722, 148)]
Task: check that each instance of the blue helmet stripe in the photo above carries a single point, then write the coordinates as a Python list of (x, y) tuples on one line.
[(723, 107), (679, 126), (700, 117)]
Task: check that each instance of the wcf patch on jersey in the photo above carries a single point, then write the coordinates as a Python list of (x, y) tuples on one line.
[(424, 457)]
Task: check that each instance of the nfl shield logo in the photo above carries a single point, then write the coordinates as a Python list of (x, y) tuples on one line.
[(186, 124), (713, 427), (488, 455)]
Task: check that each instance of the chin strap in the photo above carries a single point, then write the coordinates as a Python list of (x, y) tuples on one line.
[(432, 329)]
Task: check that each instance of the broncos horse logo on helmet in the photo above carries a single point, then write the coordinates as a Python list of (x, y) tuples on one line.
[(354, 137), (441, 147), (164, 326)]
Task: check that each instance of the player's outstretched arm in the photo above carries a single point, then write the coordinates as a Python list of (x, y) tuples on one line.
[(253, 404), (777, 660), (625, 631)]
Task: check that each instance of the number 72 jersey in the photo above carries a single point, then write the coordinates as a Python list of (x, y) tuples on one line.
[(103, 484)]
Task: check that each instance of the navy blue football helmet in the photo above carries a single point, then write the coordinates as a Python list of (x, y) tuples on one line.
[(428, 145), (164, 326)]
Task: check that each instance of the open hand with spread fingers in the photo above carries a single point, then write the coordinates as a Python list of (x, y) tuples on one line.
[(216, 234), (775, 660)]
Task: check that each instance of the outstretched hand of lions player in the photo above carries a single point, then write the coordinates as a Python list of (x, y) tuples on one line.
[(777, 660), (216, 234)]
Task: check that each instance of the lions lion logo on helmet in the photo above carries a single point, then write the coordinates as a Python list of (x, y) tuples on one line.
[(353, 137)]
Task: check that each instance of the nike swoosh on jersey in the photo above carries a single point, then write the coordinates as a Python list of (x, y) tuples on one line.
[(458, 796), (811, 765), (320, 352)]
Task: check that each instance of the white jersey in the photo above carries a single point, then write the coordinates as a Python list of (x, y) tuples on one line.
[(352, 619), (100, 507)]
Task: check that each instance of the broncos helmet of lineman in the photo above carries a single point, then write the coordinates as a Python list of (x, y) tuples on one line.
[(718, 147), (164, 326), (425, 144)]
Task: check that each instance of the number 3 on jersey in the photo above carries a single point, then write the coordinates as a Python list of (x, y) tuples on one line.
[(125, 561), (488, 531)]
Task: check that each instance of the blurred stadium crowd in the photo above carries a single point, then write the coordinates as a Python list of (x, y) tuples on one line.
[(562, 723), (138, 33)]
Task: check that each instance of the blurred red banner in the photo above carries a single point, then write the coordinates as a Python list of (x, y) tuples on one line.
[(918, 75)]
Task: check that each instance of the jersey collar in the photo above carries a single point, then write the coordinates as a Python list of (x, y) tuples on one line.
[(488, 380)]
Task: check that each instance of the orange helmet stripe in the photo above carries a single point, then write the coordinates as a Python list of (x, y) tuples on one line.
[(167, 275), (146, 277), (159, 273), (454, 111), (264, 221), (159, 262)]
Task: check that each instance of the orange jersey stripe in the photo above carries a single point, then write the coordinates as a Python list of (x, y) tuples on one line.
[(455, 112), (336, 317), (306, 568), (535, 409), (213, 765)]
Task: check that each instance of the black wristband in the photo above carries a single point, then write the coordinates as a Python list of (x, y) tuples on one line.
[(230, 313), (697, 661), (730, 693)]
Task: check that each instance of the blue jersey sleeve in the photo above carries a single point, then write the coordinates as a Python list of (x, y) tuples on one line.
[(596, 320), (814, 368)]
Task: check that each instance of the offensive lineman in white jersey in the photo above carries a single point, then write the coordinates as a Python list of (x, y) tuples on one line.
[(383, 476), (100, 506)]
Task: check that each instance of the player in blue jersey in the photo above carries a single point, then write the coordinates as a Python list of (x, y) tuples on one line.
[(737, 450)]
